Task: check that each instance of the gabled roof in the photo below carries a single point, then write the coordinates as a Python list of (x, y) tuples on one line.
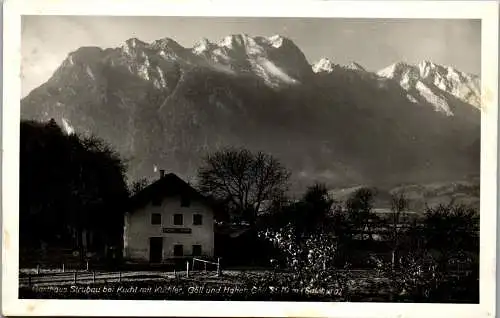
[(167, 186)]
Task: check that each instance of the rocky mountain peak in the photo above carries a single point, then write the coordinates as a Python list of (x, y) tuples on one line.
[(432, 82), (276, 40), (399, 70), (166, 44), (85, 55), (355, 67), (426, 67), (235, 40), (132, 44), (324, 65), (202, 46)]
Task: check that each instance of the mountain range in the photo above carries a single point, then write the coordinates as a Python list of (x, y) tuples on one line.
[(164, 105)]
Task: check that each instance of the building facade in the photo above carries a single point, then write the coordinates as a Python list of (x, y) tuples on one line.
[(168, 219)]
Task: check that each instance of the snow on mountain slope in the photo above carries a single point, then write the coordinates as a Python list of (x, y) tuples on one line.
[(434, 99), (67, 127), (271, 74), (355, 67), (432, 82), (327, 66), (324, 65), (275, 59)]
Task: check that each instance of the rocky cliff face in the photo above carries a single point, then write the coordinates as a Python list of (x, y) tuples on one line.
[(162, 104)]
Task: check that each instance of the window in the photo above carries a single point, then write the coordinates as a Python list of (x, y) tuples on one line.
[(185, 202), (178, 219), (196, 250), (197, 219), (156, 218), (178, 250)]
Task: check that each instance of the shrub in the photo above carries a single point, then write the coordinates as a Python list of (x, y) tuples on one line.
[(310, 260)]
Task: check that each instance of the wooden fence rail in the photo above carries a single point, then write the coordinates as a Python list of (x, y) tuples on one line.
[(205, 262)]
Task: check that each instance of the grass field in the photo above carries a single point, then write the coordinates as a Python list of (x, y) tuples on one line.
[(200, 285), (257, 285)]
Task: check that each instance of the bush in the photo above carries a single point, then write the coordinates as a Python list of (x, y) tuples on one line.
[(419, 278), (311, 260)]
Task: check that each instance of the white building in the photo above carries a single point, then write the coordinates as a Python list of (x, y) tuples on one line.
[(166, 220)]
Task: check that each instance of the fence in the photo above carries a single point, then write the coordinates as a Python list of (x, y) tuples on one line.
[(71, 267), (90, 277), (84, 274), (205, 263)]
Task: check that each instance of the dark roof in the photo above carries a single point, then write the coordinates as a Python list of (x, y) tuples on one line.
[(168, 185)]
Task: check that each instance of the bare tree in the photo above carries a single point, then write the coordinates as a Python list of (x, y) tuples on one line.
[(244, 180), (399, 204), (359, 207)]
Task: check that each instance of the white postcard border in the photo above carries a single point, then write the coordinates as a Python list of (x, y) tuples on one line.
[(13, 9)]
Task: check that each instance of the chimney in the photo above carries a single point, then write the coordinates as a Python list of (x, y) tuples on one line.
[(162, 173)]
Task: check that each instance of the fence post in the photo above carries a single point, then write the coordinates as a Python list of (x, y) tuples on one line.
[(87, 265), (93, 277), (37, 269), (29, 280), (205, 266), (74, 277), (187, 268), (63, 270), (119, 276), (175, 274), (218, 266), (192, 268)]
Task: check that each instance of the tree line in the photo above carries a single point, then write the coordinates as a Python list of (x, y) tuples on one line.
[(72, 190)]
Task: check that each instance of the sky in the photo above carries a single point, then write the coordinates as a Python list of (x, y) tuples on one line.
[(373, 43)]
